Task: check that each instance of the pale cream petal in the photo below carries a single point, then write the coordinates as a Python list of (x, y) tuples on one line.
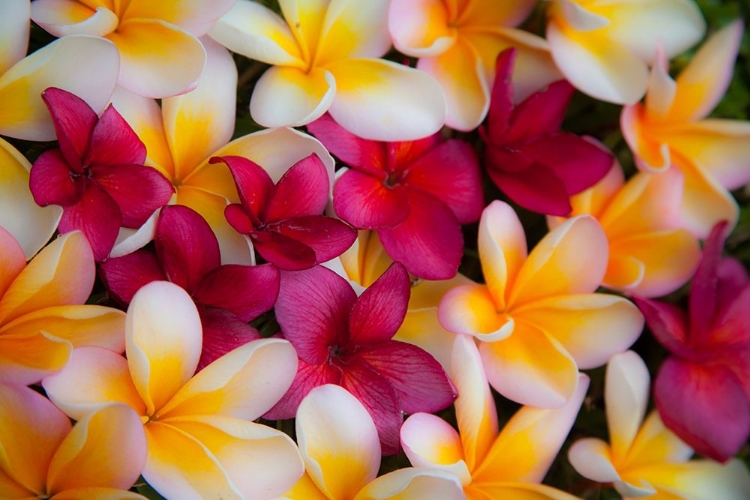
[(591, 458), (699, 479), (14, 32), (13, 260), (662, 88), (431, 443), (413, 484), (130, 240), (196, 16), (626, 397), (68, 17), (421, 28)]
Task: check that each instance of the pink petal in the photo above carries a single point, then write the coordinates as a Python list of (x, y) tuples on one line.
[(123, 276), (283, 251), (97, 216), (420, 383), (307, 378), (402, 154), (358, 153), (702, 302), (313, 310), (668, 323), (246, 291), (51, 181), (328, 237), (429, 242), (254, 185), (222, 332), (733, 278), (705, 406), (302, 190), (239, 219), (113, 142), (74, 121), (501, 98), (730, 331), (186, 246), (541, 113), (366, 202), (380, 310), (536, 188)]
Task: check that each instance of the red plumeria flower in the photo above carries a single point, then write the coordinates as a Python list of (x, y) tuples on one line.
[(187, 254), (284, 221), (702, 390), (414, 194), (527, 157), (97, 174), (344, 340)]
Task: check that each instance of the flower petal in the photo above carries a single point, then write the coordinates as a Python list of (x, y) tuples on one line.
[(113, 142), (668, 323), (366, 202), (701, 478), (69, 17), (326, 236), (193, 15), (222, 332), (254, 185), (302, 190), (13, 260), (703, 292), (471, 310), (244, 290), (26, 359), (533, 186), (123, 276), (14, 33), (74, 122), (97, 216), (590, 457), (308, 377), (626, 396), (431, 443), (380, 310), (413, 484), (351, 30), (51, 181), (421, 28), (98, 494)]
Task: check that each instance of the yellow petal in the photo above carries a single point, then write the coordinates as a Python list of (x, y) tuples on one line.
[(306, 20), (595, 200), (517, 491), (652, 154), (304, 489), (654, 443), (487, 13), (195, 16), (471, 310), (98, 494), (69, 17), (11, 490), (421, 28), (27, 359), (431, 443), (624, 272), (13, 260), (353, 30)]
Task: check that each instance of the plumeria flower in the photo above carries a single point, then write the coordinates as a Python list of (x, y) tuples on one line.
[(201, 441), (457, 42), (414, 194), (649, 253), (160, 54), (324, 57), (185, 131), (346, 340), (97, 173), (526, 156), (284, 221), (645, 459), (537, 319), (604, 48), (187, 254), (41, 313), (671, 128), (333, 429), (490, 464), (22, 79), (702, 390), (43, 457)]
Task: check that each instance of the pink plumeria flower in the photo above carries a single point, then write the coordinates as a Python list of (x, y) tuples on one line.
[(604, 48), (160, 54), (284, 221), (187, 254), (339, 444), (43, 457), (650, 255), (702, 390), (202, 442), (457, 42), (490, 463), (349, 343), (527, 156), (671, 128), (97, 174), (325, 57), (644, 459), (537, 318), (415, 194)]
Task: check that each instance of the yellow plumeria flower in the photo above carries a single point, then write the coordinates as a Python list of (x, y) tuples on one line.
[(671, 128), (490, 464), (537, 319), (202, 442), (325, 58), (645, 459), (604, 47), (457, 42)]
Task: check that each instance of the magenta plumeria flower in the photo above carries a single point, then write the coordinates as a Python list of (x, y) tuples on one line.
[(414, 194), (702, 390), (284, 221), (345, 340), (527, 157), (97, 174), (187, 254)]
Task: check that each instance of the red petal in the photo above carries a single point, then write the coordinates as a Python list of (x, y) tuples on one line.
[(222, 332), (51, 181), (501, 99), (403, 154), (535, 188), (380, 310), (136, 189), (429, 242), (358, 153), (731, 333), (113, 142), (705, 406), (123, 276), (328, 237), (702, 301), (541, 113), (366, 202), (418, 379), (312, 309), (302, 190), (254, 185), (238, 218), (308, 377), (668, 323), (186, 246), (246, 291), (74, 122), (282, 251), (97, 216), (733, 279)]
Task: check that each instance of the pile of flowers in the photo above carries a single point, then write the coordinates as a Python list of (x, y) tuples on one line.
[(367, 249)]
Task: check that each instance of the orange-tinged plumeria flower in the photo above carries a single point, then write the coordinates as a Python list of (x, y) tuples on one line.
[(160, 54), (341, 450), (671, 128), (188, 130), (457, 42), (42, 457), (508, 464), (201, 441), (41, 316), (325, 58), (645, 459), (649, 254), (538, 319), (603, 47)]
